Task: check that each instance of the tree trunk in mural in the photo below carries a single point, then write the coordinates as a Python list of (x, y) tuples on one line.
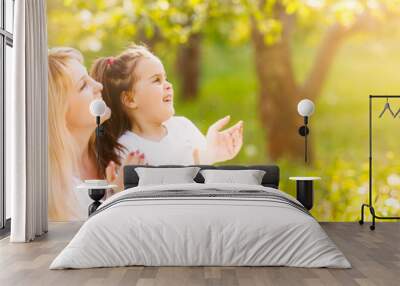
[(328, 48), (188, 66), (278, 98), (280, 94), (149, 41)]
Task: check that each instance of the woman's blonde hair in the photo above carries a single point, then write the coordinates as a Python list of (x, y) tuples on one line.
[(63, 204)]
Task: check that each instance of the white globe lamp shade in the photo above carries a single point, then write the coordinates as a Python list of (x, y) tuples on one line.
[(98, 107), (305, 107)]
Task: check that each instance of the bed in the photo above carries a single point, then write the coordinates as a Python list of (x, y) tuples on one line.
[(201, 224)]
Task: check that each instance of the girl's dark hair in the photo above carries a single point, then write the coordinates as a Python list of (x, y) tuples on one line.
[(117, 75)]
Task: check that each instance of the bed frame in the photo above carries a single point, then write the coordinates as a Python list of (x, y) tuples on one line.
[(270, 179)]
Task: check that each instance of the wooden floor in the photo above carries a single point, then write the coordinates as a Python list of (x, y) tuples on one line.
[(374, 255)]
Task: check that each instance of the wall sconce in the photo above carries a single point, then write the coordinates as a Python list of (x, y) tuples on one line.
[(97, 109), (305, 108)]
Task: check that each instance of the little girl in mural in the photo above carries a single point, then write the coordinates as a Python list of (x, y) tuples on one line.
[(143, 122)]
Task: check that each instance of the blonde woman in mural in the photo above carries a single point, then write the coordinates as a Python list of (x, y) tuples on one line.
[(141, 99), (71, 127)]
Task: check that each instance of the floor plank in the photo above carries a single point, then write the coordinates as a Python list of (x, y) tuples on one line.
[(374, 255)]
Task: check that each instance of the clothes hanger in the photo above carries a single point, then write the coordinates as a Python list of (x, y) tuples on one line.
[(397, 113), (387, 107)]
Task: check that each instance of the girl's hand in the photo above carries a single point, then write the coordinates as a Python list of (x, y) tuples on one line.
[(115, 173), (222, 145)]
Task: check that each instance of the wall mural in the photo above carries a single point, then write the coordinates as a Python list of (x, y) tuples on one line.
[(218, 82)]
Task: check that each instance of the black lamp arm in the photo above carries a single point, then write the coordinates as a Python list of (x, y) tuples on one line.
[(304, 131), (98, 135)]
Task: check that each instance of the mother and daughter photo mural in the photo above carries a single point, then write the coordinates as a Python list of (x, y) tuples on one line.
[(140, 125)]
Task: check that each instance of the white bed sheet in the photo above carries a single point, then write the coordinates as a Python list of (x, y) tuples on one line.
[(200, 231)]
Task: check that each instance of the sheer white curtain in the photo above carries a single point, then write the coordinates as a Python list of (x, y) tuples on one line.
[(26, 118)]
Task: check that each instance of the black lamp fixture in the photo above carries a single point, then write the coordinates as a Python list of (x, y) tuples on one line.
[(97, 109), (305, 108)]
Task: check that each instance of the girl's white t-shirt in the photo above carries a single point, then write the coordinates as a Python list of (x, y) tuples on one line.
[(176, 147)]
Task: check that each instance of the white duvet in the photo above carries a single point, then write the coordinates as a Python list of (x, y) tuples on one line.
[(200, 231)]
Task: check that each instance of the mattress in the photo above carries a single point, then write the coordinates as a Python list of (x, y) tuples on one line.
[(201, 225)]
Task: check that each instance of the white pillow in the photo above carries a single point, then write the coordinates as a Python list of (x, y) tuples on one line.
[(162, 176), (249, 177)]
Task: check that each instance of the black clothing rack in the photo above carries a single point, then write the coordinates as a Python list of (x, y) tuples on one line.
[(370, 204)]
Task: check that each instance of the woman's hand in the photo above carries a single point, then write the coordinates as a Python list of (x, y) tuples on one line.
[(115, 173), (222, 145)]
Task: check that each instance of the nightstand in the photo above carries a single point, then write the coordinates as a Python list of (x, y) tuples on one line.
[(96, 193), (304, 190)]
